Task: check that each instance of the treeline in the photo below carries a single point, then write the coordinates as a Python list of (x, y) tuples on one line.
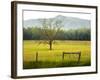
[(34, 33)]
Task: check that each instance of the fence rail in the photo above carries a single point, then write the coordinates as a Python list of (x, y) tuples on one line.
[(78, 53)]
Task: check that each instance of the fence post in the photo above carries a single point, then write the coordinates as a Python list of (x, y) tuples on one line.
[(79, 57), (63, 56), (36, 56)]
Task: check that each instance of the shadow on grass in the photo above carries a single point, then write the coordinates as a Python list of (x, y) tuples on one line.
[(48, 64)]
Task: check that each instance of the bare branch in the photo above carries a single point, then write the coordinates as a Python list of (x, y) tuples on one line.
[(50, 28)]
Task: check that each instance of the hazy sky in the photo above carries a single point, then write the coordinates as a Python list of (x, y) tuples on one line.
[(40, 14)]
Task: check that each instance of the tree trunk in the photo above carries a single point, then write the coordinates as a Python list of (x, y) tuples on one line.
[(50, 44)]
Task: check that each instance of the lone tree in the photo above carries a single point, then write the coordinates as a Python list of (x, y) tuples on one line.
[(50, 29)]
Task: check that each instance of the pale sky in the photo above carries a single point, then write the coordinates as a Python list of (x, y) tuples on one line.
[(40, 14)]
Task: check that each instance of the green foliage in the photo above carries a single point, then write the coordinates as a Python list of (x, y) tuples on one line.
[(77, 34), (31, 34)]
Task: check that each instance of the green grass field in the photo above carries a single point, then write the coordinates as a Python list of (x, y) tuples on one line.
[(53, 58)]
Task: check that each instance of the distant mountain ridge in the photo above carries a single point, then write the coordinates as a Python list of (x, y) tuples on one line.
[(68, 22)]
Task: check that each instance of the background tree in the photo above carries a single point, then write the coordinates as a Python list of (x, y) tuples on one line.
[(35, 33)]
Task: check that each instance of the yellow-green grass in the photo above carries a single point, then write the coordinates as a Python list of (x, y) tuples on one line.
[(53, 58)]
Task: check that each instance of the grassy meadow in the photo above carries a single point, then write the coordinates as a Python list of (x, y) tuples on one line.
[(53, 58)]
